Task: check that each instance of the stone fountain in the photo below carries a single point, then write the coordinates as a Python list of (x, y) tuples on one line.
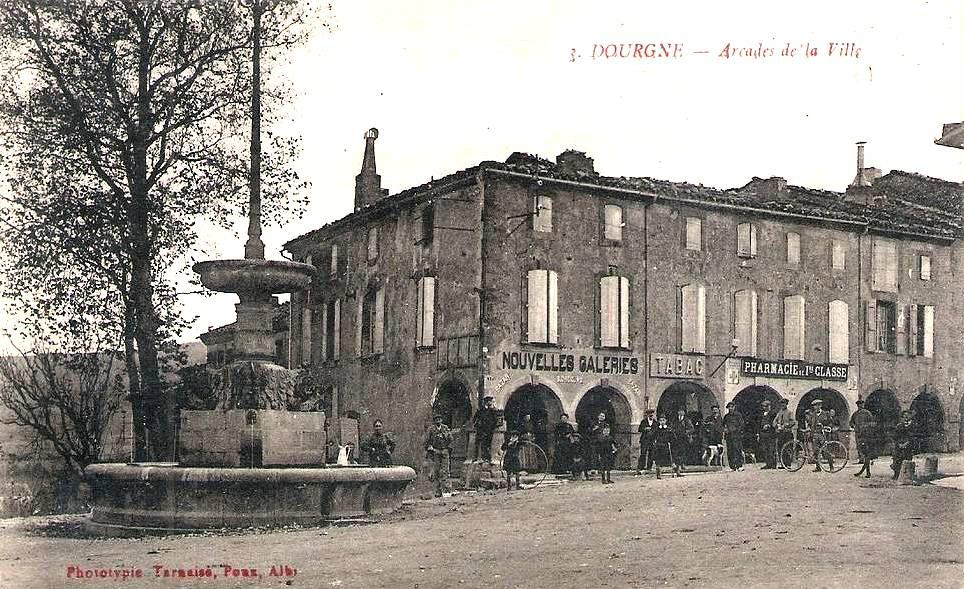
[(247, 457)]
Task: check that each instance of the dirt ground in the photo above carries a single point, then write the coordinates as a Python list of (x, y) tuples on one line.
[(751, 528)]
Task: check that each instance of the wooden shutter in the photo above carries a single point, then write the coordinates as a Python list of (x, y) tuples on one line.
[(378, 336), (624, 312), (359, 320), (537, 320), (324, 332), (839, 332), (912, 338), (333, 262), (608, 309), (552, 307), (428, 311), (613, 222), (793, 248), (870, 325), (524, 300), (700, 319), (743, 239), (927, 337), (900, 310), (337, 330), (752, 240), (794, 336)]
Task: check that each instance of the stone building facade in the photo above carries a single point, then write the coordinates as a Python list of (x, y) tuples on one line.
[(557, 290)]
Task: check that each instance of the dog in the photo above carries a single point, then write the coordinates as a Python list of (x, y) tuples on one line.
[(713, 455)]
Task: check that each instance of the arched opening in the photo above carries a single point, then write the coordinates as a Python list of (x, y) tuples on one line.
[(539, 402), (886, 409), (453, 404), (697, 401), (749, 402), (608, 400), (834, 403), (928, 422)]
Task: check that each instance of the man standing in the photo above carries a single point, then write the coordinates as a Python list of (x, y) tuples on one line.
[(903, 441), (647, 429), (767, 437), (379, 446), (486, 422), (820, 426), (683, 433), (437, 446), (562, 446), (713, 437), (863, 424), (783, 425), (733, 425)]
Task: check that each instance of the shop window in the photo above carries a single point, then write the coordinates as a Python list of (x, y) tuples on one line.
[(694, 234), (425, 312), (541, 294), (613, 222), (794, 327), (884, 267), (746, 240), (693, 318), (838, 255), (925, 267), (614, 312), (330, 330), (838, 343), (372, 244), (541, 213), (793, 249), (373, 322), (745, 328)]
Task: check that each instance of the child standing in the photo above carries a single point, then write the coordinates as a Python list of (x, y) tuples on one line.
[(578, 460), (663, 448), (510, 460), (605, 447)]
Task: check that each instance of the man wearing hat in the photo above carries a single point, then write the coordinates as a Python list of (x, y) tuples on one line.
[(437, 446), (864, 425), (647, 430), (783, 424), (733, 424), (819, 419), (766, 435), (486, 422)]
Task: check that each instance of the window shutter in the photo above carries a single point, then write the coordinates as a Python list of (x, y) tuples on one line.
[(741, 320), (553, 307), (912, 335), (688, 318), (752, 240), (337, 330), (524, 299), (793, 249), (700, 319), (537, 321), (359, 320), (324, 332), (333, 266), (419, 312), (613, 222), (839, 331), (608, 309), (624, 312), (598, 306), (901, 320), (928, 335), (743, 239), (428, 320), (870, 325), (378, 338), (753, 333), (794, 337)]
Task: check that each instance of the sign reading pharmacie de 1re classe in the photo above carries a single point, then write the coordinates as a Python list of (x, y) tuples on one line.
[(793, 369)]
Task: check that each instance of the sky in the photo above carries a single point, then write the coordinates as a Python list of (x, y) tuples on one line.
[(451, 83)]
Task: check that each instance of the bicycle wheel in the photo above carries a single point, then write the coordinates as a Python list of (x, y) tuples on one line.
[(793, 455), (532, 462), (833, 456)]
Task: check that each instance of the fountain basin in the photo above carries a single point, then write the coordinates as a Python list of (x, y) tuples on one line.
[(255, 276), (136, 499)]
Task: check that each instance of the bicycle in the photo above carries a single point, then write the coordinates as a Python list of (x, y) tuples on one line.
[(535, 465), (831, 456)]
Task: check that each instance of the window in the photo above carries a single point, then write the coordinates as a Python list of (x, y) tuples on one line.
[(305, 335), (924, 340), (612, 223), (330, 329), (925, 267), (745, 321), (425, 312), (880, 322), (838, 255), (425, 224), (541, 213), (372, 244), (694, 234), (373, 322), (884, 265), (746, 240), (793, 249), (614, 312), (542, 307), (693, 318), (794, 328), (838, 323)]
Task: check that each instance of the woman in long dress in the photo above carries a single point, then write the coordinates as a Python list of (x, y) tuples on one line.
[(528, 455)]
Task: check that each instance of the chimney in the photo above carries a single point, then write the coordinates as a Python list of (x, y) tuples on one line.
[(865, 176), (774, 187), (368, 184), (576, 163)]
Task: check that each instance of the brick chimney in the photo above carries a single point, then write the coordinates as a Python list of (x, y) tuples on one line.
[(368, 184), (575, 162), (861, 189)]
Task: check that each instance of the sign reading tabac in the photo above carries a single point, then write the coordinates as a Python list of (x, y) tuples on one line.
[(793, 369), (675, 366)]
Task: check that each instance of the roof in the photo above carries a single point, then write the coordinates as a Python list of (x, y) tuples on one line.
[(907, 203)]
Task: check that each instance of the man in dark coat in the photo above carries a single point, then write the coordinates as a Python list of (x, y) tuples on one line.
[(783, 425), (733, 425), (903, 441), (821, 427), (438, 444), (767, 436), (713, 436), (486, 421), (647, 428), (562, 446), (864, 425), (683, 431), (379, 446)]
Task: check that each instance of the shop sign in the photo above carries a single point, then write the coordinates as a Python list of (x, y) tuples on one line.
[(675, 366), (793, 369), (557, 362)]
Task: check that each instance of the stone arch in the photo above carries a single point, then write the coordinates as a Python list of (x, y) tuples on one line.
[(693, 396), (539, 401), (832, 400), (928, 421), (749, 403), (609, 400), (453, 402), (884, 405)]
